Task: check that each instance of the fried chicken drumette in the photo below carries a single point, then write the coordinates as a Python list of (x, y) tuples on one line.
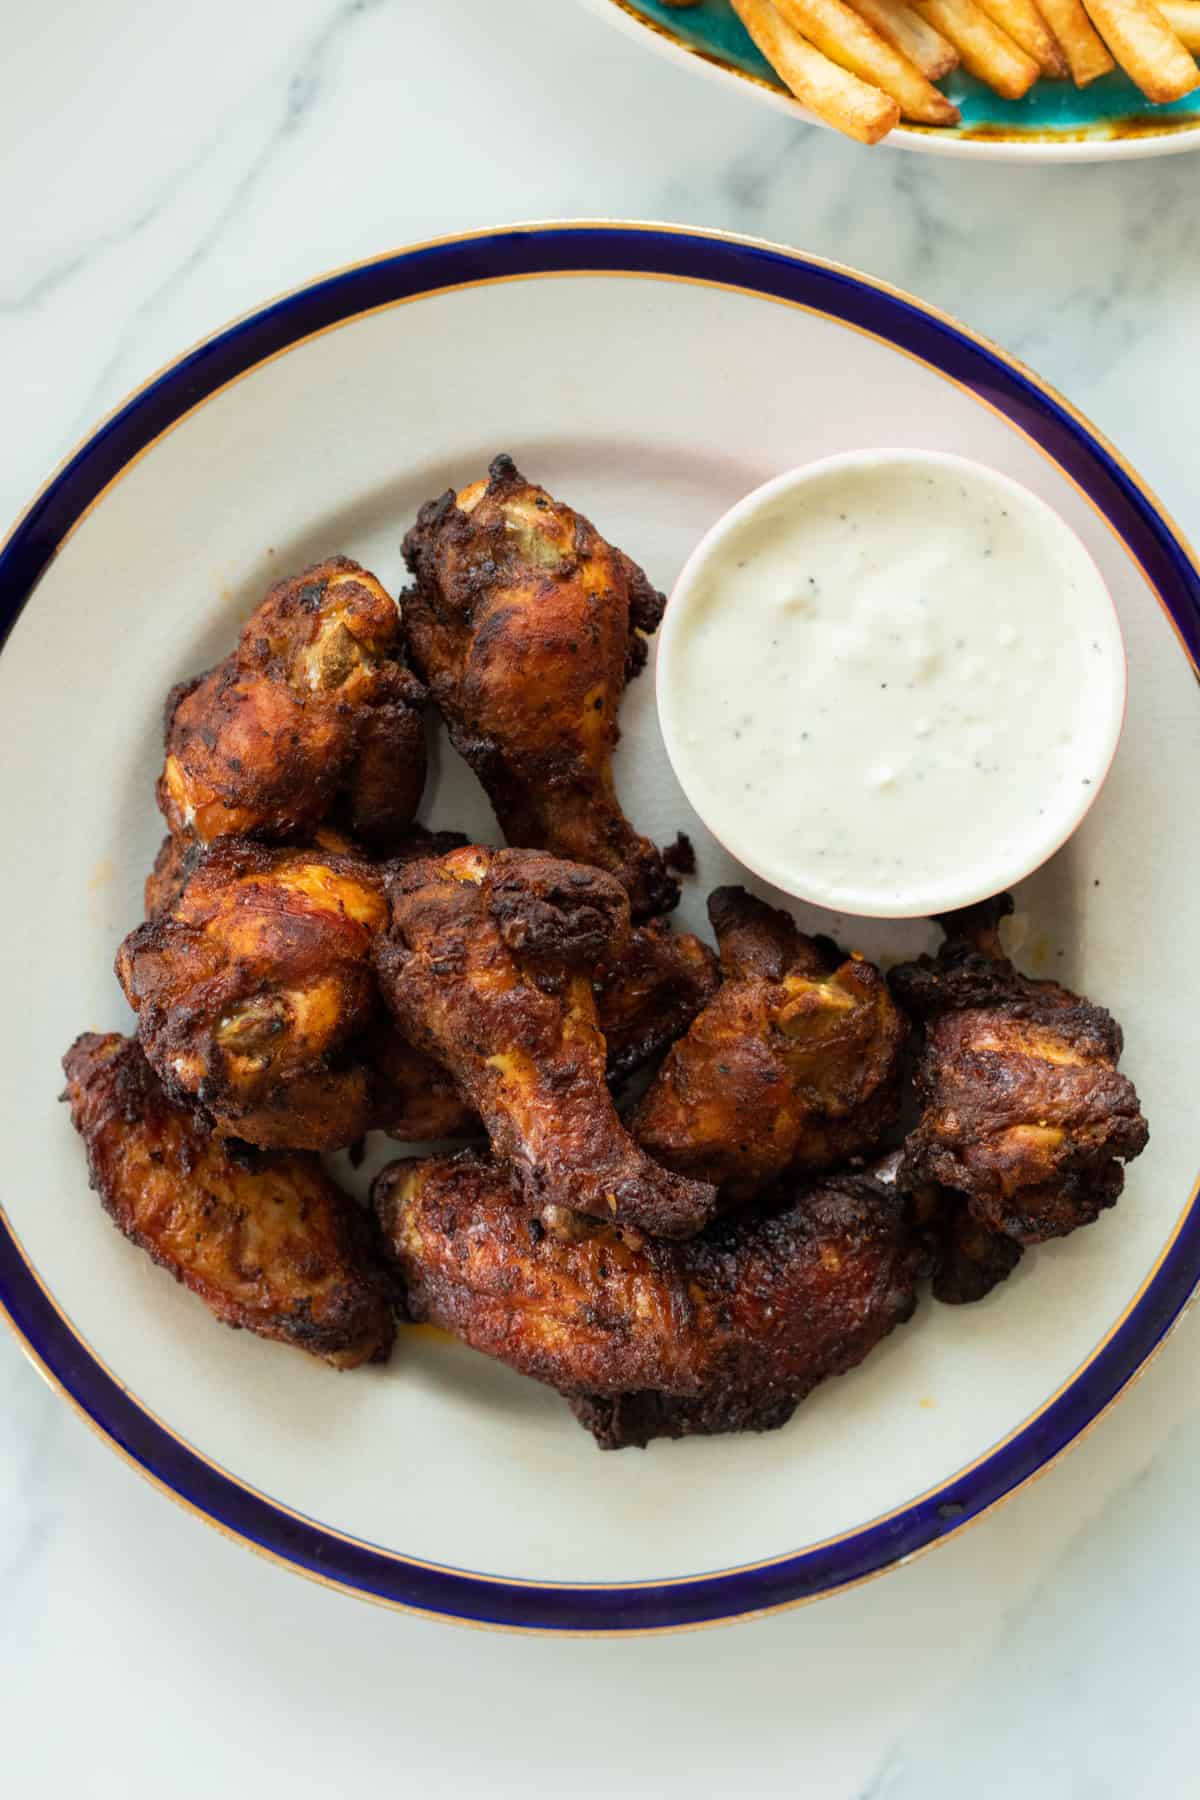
[(252, 987), (526, 626), (728, 1332), (645, 997), (488, 967), (1026, 1121), (794, 1065), (314, 716), (265, 1239), (643, 1001)]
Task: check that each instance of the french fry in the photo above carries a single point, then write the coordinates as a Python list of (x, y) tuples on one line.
[(1082, 44), (924, 47), (1027, 28), (1146, 48), (841, 35), (841, 99), (1183, 16), (986, 51)]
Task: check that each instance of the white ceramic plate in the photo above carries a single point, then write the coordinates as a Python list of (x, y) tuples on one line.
[(650, 376)]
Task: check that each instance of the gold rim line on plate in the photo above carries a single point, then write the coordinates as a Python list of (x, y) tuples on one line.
[(279, 1560), (402, 1559), (650, 227), (711, 62), (397, 1557)]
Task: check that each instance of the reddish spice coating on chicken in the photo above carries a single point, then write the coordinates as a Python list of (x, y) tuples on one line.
[(1026, 1116), (264, 1238), (488, 967), (795, 1064), (526, 626), (313, 717), (252, 989), (727, 1332)]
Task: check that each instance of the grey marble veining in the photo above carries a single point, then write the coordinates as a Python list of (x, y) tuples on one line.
[(159, 174)]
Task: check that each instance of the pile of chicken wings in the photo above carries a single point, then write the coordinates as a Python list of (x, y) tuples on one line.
[(812, 1143)]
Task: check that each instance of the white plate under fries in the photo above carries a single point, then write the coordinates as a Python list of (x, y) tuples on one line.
[(650, 377)]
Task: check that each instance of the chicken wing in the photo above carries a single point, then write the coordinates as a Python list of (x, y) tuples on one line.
[(527, 626), (794, 1065), (649, 994), (488, 967), (176, 861), (252, 987), (967, 1259), (313, 716), (265, 1239), (728, 1332), (1025, 1115), (644, 999), (414, 1098)]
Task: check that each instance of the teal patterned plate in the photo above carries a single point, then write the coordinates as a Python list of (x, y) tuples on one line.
[(1056, 122)]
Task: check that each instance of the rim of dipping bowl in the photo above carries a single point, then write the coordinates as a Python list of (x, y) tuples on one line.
[(955, 891)]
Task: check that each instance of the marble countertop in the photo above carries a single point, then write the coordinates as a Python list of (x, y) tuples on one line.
[(162, 169)]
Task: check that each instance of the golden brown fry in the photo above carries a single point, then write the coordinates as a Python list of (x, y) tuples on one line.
[(1082, 44), (726, 1333), (1146, 48), (252, 986), (838, 31), (794, 1064), (987, 52), (1027, 28), (314, 715), (488, 967), (841, 99), (924, 47), (265, 1239), (1183, 16)]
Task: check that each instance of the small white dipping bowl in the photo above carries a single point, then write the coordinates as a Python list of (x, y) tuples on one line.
[(891, 682)]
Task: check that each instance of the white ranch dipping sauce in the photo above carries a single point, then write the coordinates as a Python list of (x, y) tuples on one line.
[(891, 683)]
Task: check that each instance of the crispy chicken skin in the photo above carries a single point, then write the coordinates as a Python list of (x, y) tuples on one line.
[(966, 1259), (265, 1239), (644, 999), (314, 715), (794, 1065), (252, 986), (727, 1332), (488, 967), (414, 1098), (176, 861), (650, 993), (1025, 1115), (179, 857), (526, 626)]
